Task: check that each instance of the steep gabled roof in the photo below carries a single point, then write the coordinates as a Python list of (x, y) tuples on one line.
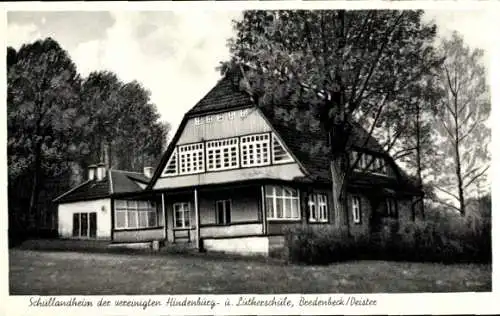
[(226, 95), (116, 181)]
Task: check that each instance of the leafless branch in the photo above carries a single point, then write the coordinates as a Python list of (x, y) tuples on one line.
[(447, 192), (447, 204), (476, 177)]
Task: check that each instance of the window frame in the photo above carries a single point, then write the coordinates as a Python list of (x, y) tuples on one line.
[(88, 235), (356, 209), (190, 156), (287, 157), (218, 150), (225, 211), (313, 200), (136, 212), (273, 216), (252, 154), (391, 207), (167, 170), (188, 211)]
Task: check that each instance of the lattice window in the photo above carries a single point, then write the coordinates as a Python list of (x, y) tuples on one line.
[(191, 158), (280, 154), (222, 154), (356, 209), (182, 215), (135, 214), (318, 208), (369, 163), (282, 203), (255, 150), (171, 167)]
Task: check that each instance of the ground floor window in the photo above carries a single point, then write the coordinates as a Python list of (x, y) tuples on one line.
[(282, 203), (85, 224), (356, 209), (223, 212), (182, 215), (318, 207), (130, 214), (391, 207)]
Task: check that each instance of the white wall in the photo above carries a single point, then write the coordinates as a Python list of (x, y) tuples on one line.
[(66, 211), (232, 230), (242, 246)]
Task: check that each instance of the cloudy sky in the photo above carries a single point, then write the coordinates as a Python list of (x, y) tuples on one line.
[(174, 53)]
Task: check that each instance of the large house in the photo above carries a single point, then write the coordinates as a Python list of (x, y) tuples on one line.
[(233, 178)]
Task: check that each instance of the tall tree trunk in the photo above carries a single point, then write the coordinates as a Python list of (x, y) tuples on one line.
[(35, 188), (420, 203), (458, 161)]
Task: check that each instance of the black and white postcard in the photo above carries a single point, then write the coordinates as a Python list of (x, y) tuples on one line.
[(249, 158)]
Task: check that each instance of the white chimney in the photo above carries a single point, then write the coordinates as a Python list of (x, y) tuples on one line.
[(101, 171), (148, 172), (91, 172)]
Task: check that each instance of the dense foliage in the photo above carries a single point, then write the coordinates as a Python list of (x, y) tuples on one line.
[(442, 237), (53, 120)]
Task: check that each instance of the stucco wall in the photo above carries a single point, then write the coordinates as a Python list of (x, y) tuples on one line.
[(102, 207), (242, 246)]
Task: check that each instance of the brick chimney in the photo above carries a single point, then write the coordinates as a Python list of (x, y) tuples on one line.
[(91, 170), (101, 171), (148, 172)]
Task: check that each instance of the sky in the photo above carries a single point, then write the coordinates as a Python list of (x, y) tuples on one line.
[(174, 53)]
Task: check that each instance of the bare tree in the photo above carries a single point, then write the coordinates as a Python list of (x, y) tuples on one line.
[(464, 109)]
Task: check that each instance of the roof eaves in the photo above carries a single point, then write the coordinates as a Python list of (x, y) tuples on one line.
[(167, 153), (69, 191)]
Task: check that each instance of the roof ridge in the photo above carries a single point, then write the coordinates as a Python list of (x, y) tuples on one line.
[(123, 171)]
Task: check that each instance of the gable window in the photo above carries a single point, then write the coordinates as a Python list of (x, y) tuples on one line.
[(282, 203), (191, 158), (130, 214), (85, 225), (318, 208), (171, 167), (223, 212), (356, 209), (369, 163), (391, 207), (222, 154), (182, 215), (280, 155), (255, 150)]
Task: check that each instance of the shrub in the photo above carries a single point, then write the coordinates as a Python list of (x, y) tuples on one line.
[(446, 239)]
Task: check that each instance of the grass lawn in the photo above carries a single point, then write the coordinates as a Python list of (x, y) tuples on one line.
[(80, 273)]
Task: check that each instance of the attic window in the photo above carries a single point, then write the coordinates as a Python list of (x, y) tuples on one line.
[(280, 155), (191, 158), (222, 154), (368, 163), (171, 167), (255, 150)]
